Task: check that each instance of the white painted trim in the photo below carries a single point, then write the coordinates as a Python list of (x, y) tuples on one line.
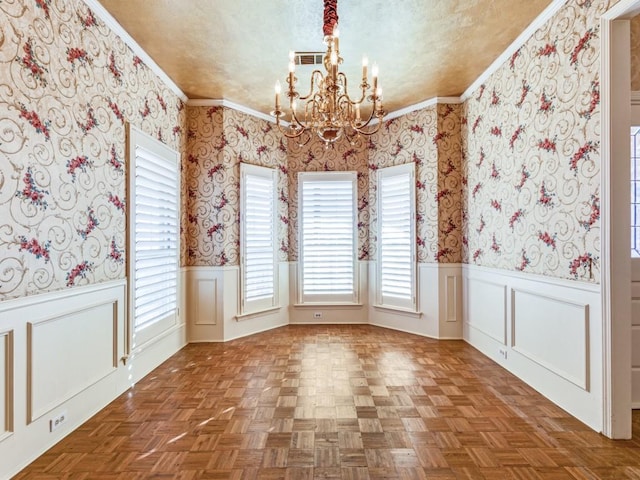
[(232, 105), (258, 313), (412, 332), (398, 310), (539, 21), (420, 106), (113, 24), (635, 97)]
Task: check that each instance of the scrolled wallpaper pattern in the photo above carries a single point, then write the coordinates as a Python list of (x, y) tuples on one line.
[(635, 53), (532, 137), (218, 140), (68, 84)]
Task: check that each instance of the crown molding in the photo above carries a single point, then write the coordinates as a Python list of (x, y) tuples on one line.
[(113, 24), (421, 106), (207, 102), (526, 34)]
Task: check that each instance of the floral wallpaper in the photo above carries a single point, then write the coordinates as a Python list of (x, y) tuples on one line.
[(218, 140), (532, 153), (314, 156), (429, 138), (635, 53), (69, 85)]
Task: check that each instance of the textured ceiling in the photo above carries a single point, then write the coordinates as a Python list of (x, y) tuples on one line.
[(237, 49)]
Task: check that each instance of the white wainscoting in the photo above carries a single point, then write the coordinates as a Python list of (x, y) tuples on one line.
[(635, 344), (439, 305), (546, 331), (213, 304), (65, 352)]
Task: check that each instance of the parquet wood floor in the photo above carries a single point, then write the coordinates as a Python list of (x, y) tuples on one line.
[(331, 402)]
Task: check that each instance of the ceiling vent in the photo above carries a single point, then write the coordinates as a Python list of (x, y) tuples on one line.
[(309, 58)]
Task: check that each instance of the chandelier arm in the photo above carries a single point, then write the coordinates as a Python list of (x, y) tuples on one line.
[(313, 83), (283, 131)]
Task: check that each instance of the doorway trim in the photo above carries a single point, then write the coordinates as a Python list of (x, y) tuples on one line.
[(615, 277)]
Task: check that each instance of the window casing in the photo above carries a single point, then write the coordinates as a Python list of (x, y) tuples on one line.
[(258, 238), (154, 233), (396, 238), (327, 237)]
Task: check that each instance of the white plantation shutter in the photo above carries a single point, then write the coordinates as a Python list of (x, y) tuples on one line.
[(154, 231), (327, 205), (258, 237), (396, 237)]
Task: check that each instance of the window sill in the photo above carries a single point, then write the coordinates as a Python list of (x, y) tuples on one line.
[(400, 310), (327, 305), (258, 313)]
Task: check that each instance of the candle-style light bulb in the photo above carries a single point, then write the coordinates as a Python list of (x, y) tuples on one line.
[(334, 58), (292, 67), (365, 64), (278, 87), (336, 37), (374, 74)]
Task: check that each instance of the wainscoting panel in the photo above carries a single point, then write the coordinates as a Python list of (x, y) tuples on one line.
[(564, 352), (205, 308), (553, 330), (6, 384), (487, 308), (67, 353)]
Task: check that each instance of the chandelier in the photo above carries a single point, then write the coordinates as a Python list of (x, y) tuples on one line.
[(328, 110)]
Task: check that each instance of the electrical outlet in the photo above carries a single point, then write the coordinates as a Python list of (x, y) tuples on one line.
[(317, 314), (503, 353), (58, 420)]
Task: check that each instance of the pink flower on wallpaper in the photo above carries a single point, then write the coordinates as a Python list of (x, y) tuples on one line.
[(192, 219), (481, 91), (113, 68), (192, 192), (267, 128), (177, 130), (481, 158), (281, 146), (159, 136), (548, 50), (495, 99), (34, 247), (44, 6), (547, 145), (419, 219), (32, 192), (283, 198), (137, 61), (514, 57), (516, 136), (180, 105), (584, 261), (262, 149), (440, 136), (90, 122), (495, 174), (416, 128), (79, 271), (92, 223), (583, 44), (450, 227), (524, 262), (212, 111), (115, 200), (442, 194), (445, 112), (480, 228), (215, 169), (516, 217), (87, 21), (546, 105), (476, 189), (115, 254), (242, 131), (496, 131), (465, 180), (285, 221), (222, 259), (217, 228), (524, 176), (523, 93), (31, 64), (582, 154), (144, 113), (496, 205), (363, 203), (449, 168), (495, 246), (80, 55), (546, 198), (81, 162), (477, 254), (398, 148), (420, 241), (464, 120), (191, 158), (116, 111), (284, 247), (223, 143), (465, 241), (373, 167), (363, 254), (420, 185), (594, 215), (162, 103), (221, 203), (389, 123), (34, 120), (283, 169), (548, 240), (476, 123), (443, 254), (349, 153), (594, 102)]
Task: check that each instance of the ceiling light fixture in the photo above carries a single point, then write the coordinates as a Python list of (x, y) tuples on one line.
[(328, 110)]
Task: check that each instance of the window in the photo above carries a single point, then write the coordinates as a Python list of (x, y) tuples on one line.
[(327, 233), (258, 238), (635, 192), (396, 265), (154, 231)]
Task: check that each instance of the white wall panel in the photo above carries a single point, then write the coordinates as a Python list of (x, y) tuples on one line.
[(68, 353), (487, 308), (6, 384), (553, 333), (205, 302)]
